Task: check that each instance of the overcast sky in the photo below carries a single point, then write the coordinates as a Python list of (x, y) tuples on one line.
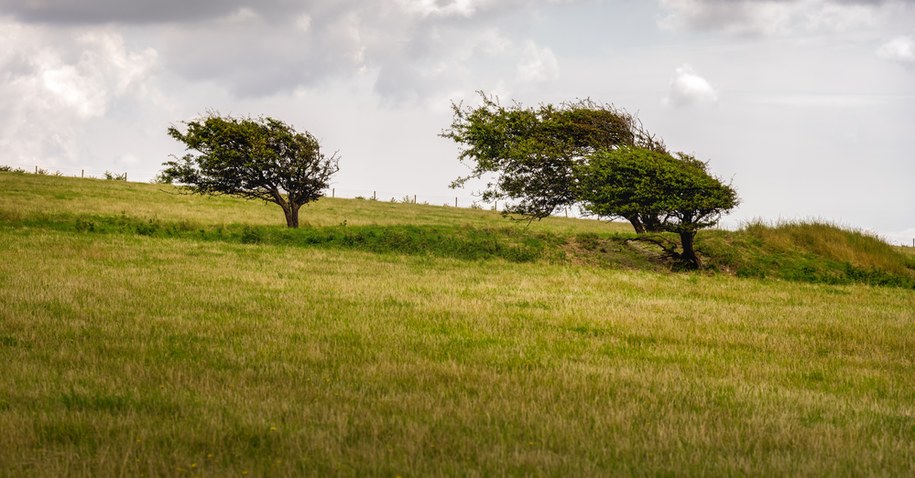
[(808, 106)]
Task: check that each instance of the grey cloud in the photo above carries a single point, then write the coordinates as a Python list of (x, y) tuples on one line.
[(86, 12), (130, 11), (274, 46), (413, 51), (772, 16)]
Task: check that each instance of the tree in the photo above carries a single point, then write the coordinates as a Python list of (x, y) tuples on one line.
[(531, 153), (679, 191), (260, 158)]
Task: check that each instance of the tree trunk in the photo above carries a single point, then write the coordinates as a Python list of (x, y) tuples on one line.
[(689, 254), (651, 222), (636, 224), (292, 215)]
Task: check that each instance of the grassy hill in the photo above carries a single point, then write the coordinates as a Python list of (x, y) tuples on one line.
[(801, 252), (148, 333)]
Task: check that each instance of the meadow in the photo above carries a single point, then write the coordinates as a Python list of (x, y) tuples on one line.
[(144, 332)]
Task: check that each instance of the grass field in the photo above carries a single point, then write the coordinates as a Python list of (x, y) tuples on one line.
[(131, 354)]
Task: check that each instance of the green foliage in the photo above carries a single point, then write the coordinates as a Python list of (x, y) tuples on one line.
[(10, 169), (458, 242), (532, 151), (251, 235), (251, 158), (115, 177), (636, 182)]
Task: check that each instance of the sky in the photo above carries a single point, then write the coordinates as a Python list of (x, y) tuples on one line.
[(807, 107)]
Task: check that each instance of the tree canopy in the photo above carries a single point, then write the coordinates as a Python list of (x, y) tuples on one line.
[(678, 190), (261, 158), (530, 153)]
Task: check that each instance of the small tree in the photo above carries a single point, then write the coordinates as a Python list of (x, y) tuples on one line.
[(260, 158), (679, 191), (532, 152)]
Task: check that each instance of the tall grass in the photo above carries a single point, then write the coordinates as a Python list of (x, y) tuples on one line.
[(810, 252), (858, 248), (127, 355)]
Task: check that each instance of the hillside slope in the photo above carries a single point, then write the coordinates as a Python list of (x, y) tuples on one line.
[(174, 342), (798, 252)]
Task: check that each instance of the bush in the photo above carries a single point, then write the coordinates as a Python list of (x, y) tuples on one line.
[(250, 235)]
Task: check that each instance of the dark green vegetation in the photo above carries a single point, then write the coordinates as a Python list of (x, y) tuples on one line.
[(678, 193), (262, 159), (592, 155), (533, 151), (134, 344)]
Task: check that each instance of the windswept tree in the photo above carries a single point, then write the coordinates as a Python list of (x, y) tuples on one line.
[(678, 190), (261, 158), (530, 154)]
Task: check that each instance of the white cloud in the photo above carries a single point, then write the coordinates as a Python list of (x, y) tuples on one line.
[(55, 82), (274, 47), (303, 22), (104, 69), (464, 8), (900, 49), (537, 64), (687, 88)]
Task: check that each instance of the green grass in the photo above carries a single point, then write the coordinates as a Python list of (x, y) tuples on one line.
[(176, 352), (28, 195), (809, 252)]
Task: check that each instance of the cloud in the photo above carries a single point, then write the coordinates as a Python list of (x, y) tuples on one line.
[(688, 88), (54, 82), (86, 12), (414, 49), (774, 17), (537, 64), (900, 49)]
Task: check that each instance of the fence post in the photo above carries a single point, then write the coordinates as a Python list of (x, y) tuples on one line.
[(333, 192), (82, 173), (36, 169), (455, 202), (375, 195), (414, 199)]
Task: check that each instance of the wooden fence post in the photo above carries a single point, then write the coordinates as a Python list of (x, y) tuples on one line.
[(455, 202), (333, 192), (82, 173)]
